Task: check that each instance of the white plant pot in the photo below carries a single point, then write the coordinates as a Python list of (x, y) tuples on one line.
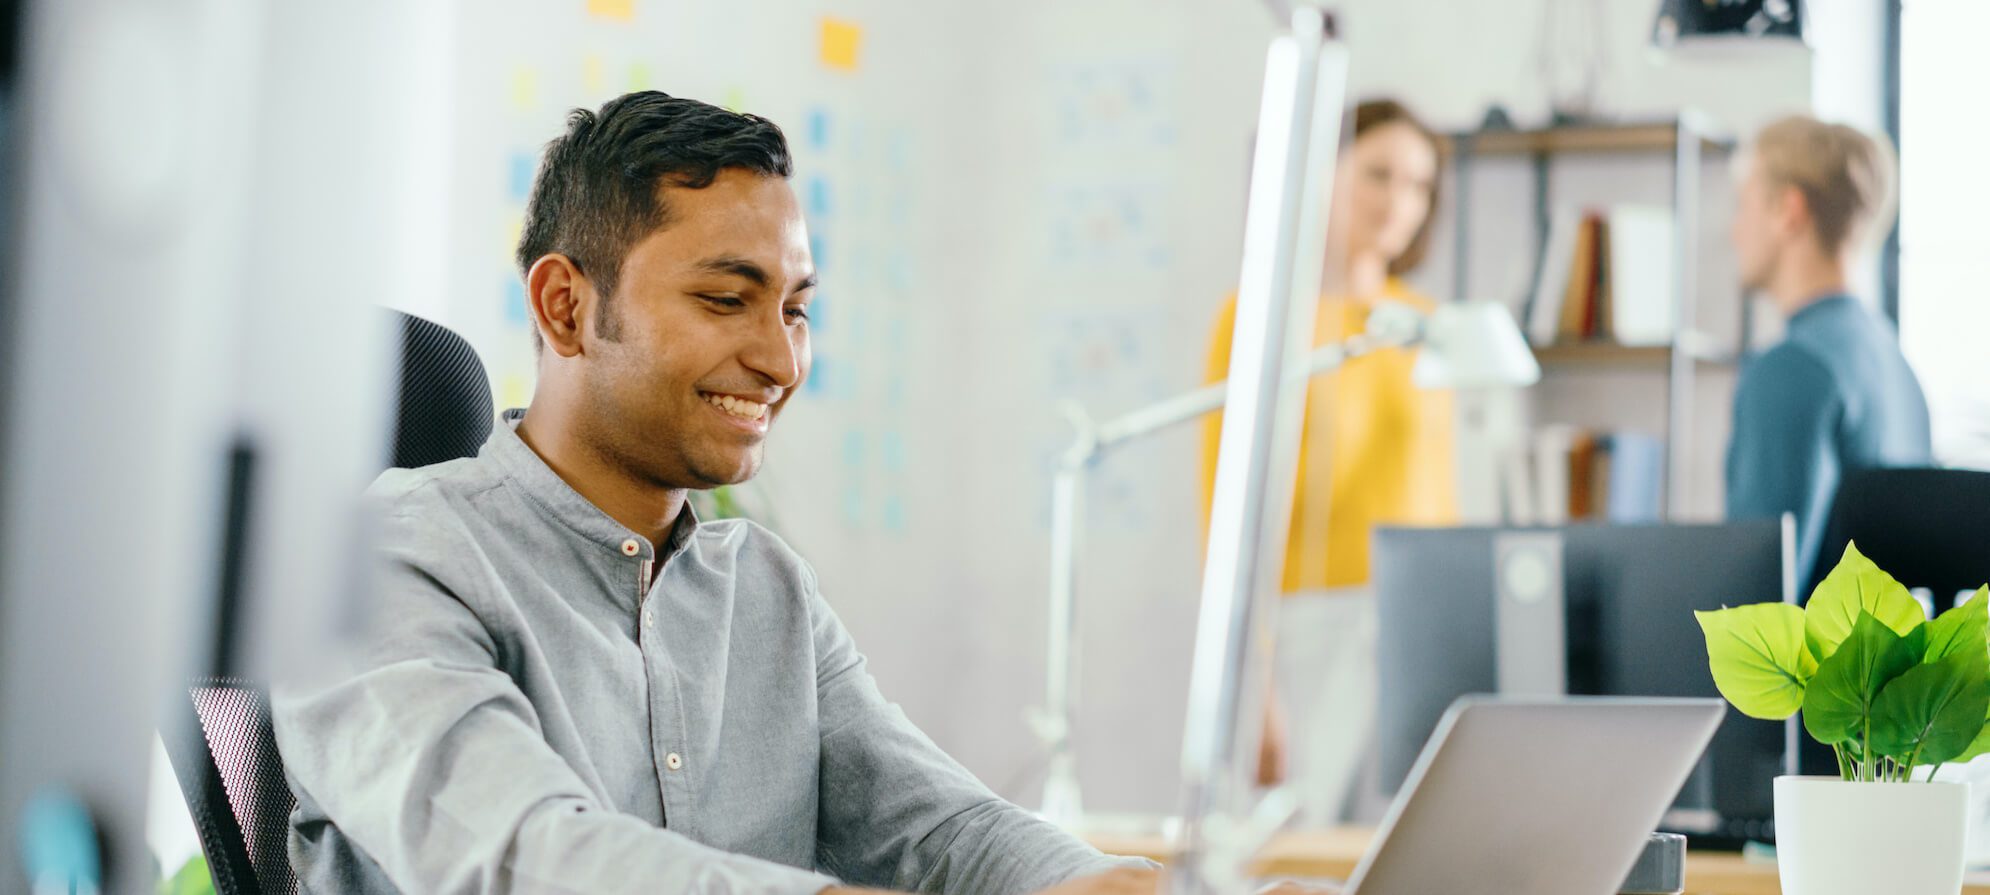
[(1839, 838)]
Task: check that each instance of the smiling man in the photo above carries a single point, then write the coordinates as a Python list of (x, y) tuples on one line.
[(577, 686)]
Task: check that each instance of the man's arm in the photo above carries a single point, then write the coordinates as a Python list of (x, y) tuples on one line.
[(431, 761), (897, 813), (1783, 457)]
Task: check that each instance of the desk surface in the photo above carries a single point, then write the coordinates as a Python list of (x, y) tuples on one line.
[(1333, 854)]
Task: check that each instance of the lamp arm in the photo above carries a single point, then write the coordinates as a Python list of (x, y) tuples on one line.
[(1170, 412), (1058, 717)]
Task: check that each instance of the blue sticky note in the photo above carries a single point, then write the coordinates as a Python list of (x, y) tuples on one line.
[(853, 450), (818, 376), (818, 129), (818, 313), (522, 166), (891, 450), (514, 302), (818, 249), (818, 196), (853, 505), (894, 513)]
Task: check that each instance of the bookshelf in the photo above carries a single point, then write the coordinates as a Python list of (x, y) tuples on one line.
[(1568, 354), (1688, 141), (1660, 137)]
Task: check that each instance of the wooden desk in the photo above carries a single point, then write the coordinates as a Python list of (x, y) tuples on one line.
[(1333, 854)]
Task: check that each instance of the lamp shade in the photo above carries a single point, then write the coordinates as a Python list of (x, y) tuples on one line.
[(1473, 344), (1701, 21)]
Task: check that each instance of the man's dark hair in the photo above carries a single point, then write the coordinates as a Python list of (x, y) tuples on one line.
[(599, 189)]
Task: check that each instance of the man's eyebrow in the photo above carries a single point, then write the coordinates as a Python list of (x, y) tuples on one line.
[(808, 282), (736, 266)]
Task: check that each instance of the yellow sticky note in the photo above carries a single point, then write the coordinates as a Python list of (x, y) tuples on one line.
[(639, 77), (514, 230), (840, 42), (524, 88), (593, 75), (618, 10), (514, 391), (735, 100)]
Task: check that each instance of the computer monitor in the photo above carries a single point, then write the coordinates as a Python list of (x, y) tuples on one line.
[(1583, 610), (199, 206)]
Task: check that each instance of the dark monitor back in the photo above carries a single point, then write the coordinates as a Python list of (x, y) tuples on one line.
[(1629, 593)]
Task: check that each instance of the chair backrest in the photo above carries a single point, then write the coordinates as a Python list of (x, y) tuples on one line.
[(226, 757), (444, 410), (1927, 527), (233, 781)]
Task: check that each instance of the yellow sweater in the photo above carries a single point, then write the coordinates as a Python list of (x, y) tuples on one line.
[(1385, 447)]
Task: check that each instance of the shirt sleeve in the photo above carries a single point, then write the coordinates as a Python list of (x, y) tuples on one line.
[(429, 758), (898, 813), (1783, 457)]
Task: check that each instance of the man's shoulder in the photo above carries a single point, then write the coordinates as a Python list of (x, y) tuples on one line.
[(1794, 368), (433, 505), (750, 541), (404, 489)]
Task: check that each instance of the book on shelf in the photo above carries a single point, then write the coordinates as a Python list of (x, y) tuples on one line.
[(1565, 474), (1605, 275), (1544, 309)]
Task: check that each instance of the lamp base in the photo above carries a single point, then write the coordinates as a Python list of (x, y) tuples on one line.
[(1660, 870)]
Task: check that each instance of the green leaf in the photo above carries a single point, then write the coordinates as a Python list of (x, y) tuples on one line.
[(1856, 585), (1930, 714), (1978, 746), (1964, 627), (192, 879), (1838, 703), (1756, 653)]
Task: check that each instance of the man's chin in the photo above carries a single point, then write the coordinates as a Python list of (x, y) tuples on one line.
[(721, 474)]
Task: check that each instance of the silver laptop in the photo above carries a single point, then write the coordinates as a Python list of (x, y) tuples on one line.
[(1535, 797)]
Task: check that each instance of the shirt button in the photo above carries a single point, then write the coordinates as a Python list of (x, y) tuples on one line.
[(631, 548), (673, 761), (649, 621)]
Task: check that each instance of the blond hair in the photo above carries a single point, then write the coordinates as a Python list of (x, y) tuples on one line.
[(1845, 175)]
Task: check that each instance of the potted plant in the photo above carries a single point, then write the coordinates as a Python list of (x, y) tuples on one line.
[(1891, 692)]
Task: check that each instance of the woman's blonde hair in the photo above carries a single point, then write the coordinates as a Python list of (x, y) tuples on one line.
[(1845, 175)]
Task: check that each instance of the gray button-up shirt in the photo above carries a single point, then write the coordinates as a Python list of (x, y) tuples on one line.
[(551, 704)]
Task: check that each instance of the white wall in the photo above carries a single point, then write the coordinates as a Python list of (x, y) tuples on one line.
[(1029, 201)]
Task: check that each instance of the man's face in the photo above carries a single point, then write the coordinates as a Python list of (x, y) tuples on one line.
[(1755, 233), (710, 334)]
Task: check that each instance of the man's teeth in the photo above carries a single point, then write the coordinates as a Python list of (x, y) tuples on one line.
[(739, 407)]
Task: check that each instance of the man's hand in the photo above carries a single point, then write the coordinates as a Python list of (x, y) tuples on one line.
[(1148, 882), (1289, 887), (1128, 881), (1124, 881)]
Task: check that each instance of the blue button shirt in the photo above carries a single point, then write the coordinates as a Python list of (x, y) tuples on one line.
[(1834, 397), (552, 704)]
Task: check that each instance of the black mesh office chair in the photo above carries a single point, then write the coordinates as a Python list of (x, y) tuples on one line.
[(1926, 527), (235, 787)]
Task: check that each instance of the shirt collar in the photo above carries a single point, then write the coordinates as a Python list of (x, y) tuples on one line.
[(1824, 307), (559, 500)]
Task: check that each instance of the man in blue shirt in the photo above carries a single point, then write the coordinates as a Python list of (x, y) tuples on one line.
[(1835, 395)]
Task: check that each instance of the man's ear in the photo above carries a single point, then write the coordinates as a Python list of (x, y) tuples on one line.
[(559, 297), (1793, 211)]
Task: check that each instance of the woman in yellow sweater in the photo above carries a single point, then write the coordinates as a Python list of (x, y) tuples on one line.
[(1374, 451)]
